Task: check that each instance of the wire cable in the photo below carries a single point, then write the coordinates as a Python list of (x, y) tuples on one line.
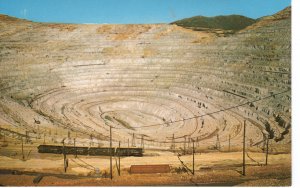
[(208, 114)]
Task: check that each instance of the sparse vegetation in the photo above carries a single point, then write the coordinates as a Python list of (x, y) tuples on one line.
[(231, 22)]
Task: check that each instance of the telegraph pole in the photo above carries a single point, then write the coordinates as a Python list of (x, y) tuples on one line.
[(119, 158), (244, 148), (110, 143), (193, 157), (133, 140), (44, 138), (91, 140), (23, 157), (65, 156), (142, 141), (26, 132), (267, 151), (184, 144), (75, 148), (229, 143), (218, 145), (173, 143), (110, 149)]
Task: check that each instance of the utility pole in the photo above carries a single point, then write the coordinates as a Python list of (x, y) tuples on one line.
[(119, 169), (193, 158), (26, 141), (91, 140), (184, 147), (133, 140), (128, 142), (110, 148), (38, 130), (189, 143), (75, 148), (99, 145), (173, 143), (267, 151), (244, 148), (44, 138), (218, 145), (229, 143), (23, 157), (142, 141), (65, 156)]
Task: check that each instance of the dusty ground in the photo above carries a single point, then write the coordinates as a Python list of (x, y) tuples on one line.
[(215, 168), (273, 175)]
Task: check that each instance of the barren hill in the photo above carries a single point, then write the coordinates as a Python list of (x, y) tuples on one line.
[(147, 80)]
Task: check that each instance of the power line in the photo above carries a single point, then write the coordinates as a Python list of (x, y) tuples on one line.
[(198, 116), (208, 114)]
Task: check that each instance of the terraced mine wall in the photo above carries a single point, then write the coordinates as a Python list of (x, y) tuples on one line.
[(92, 151), (158, 84)]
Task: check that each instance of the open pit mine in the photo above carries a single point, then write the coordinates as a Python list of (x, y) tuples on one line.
[(161, 92)]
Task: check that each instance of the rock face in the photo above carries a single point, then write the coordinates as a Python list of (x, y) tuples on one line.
[(146, 81)]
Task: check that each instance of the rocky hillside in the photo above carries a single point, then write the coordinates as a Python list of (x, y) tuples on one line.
[(147, 80)]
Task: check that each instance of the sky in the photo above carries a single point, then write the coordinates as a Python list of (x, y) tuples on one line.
[(134, 11)]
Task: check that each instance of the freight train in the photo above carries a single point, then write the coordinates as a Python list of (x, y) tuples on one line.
[(92, 151)]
